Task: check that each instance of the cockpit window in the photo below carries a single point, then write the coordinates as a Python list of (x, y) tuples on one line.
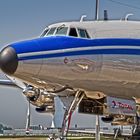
[(61, 31), (51, 31), (73, 32), (44, 32), (83, 33)]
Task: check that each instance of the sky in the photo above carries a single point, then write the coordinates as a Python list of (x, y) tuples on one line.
[(26, 19)]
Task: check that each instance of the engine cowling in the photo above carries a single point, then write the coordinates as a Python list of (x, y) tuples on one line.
[(31, 93), (39, 98)]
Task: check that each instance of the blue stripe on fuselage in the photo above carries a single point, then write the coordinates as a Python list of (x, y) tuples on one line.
[(64, 42)]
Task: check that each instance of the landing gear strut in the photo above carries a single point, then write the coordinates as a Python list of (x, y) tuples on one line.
[(64, 107), (68, 113), (28, 118)]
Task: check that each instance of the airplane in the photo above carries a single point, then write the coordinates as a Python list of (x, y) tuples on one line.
[(92, 65)]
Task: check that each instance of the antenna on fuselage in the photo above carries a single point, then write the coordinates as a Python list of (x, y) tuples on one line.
[(82, 18), (97, 10), (105, 15), (128, 15)]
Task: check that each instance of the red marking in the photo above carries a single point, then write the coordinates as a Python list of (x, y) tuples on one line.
[(69, 120), (66, 60), (122, 105), (114, 103)]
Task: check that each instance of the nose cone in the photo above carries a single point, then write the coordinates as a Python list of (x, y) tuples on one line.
[(8, 60)]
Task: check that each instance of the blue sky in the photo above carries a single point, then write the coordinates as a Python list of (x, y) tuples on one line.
[(21, 19), (25, 19)]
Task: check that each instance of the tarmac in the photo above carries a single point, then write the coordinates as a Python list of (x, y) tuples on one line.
[(70, 138), (24, 138)]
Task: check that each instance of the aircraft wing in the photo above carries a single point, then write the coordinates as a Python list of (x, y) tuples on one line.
[(12, 82), (7, 83)]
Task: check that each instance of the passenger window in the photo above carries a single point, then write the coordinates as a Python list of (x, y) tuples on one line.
[(83, 33), (73, 32), (51, 31)]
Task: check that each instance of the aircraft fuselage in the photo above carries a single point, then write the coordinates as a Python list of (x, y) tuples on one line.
[(107, 62)]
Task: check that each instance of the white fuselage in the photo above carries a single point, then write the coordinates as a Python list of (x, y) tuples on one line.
[(106, 73)]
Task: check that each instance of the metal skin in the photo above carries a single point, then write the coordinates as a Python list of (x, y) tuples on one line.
[(116, 74), (111, 75)]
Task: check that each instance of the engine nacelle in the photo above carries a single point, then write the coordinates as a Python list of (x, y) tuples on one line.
[(39, 98)]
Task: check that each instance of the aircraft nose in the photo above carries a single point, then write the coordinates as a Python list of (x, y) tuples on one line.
[(8, 60)]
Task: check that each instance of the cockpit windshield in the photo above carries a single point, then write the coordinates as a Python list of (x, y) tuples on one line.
[(61, 31), (55, 31), (66, 31), (51, 31), (44, 32)]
